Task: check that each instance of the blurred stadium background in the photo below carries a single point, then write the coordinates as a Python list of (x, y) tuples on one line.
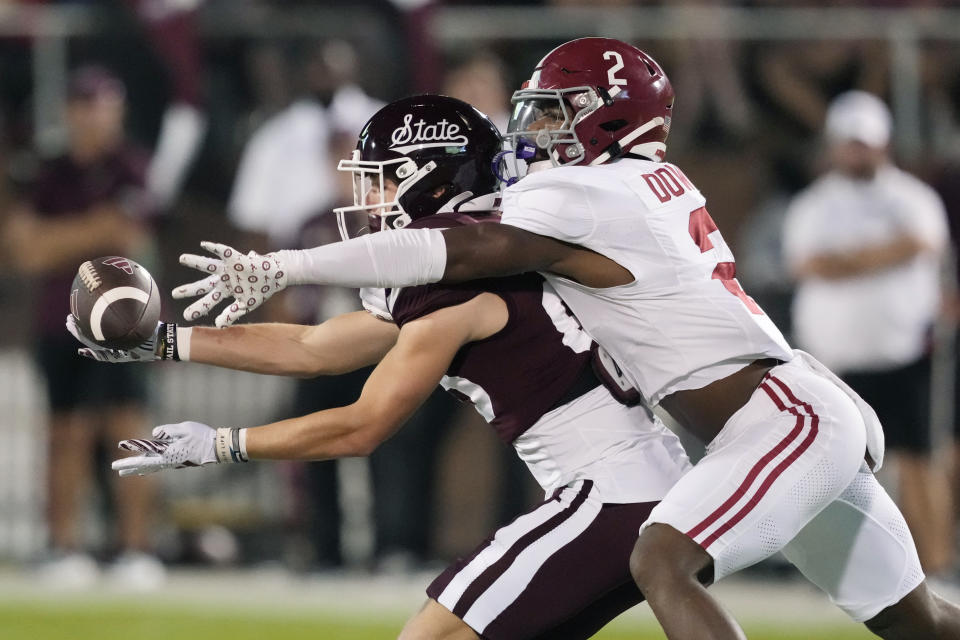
[(205, 79)]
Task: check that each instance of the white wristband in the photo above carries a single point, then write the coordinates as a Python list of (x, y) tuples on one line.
[(228, 447), (385, 259), (183, 343)]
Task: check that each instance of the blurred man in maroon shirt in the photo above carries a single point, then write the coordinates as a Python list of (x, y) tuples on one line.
[(86, 203)]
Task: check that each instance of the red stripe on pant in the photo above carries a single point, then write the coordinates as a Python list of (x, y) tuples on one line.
[(762, 464)]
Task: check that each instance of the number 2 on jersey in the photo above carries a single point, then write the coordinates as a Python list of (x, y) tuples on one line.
[(701, 226)]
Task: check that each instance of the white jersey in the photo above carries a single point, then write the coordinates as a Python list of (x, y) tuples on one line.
[(684, 321)]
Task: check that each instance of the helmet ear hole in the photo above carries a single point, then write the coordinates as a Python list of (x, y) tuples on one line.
[(613, 125)]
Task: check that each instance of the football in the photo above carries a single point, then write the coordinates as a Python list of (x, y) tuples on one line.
[(115, 301)]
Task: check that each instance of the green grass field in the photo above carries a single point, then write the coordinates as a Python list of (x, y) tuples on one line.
[(271, 604), (131, 621)]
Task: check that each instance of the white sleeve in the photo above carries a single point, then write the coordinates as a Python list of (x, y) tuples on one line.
[(550, 208), (374, 300), (393, 259)]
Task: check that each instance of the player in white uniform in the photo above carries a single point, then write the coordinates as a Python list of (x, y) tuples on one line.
[(626, 241)]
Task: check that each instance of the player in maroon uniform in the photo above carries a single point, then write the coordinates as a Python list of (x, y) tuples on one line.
[(508, 346), (86, 203)]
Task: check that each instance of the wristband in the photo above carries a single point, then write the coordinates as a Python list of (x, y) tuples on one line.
[(227, 445), (166, 348)]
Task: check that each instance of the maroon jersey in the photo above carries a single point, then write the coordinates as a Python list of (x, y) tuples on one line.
[(540, 360), (64, 188)]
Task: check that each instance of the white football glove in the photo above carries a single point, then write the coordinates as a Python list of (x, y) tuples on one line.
[(162, 345), (250, 279), (176, 446)]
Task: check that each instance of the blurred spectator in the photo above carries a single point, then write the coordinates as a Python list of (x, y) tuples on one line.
[(403, 468), (865, 243), (941, 87), (481, 81), (86, 203), (801, 77), (286, 174), (946, 181), (172, 33), (319, 483), (793, 81), (716, 108)]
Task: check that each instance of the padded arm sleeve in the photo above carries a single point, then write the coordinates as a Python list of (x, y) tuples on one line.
[(386, 259)]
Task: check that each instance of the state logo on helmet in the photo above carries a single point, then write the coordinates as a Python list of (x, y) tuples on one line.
[(417, 157), (590, 101)]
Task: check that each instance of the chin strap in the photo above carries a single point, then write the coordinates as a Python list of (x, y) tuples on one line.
[(466, 202)]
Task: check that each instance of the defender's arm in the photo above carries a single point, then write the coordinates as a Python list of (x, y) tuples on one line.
[(487, 250), (420, 256)]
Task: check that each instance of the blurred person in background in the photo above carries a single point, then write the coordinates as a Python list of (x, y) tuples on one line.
[(286, 174), (318, 483), (171, 31), (946, 180), (792, 83), (89, 202), (716, 109), (481, 80), (865, 243)]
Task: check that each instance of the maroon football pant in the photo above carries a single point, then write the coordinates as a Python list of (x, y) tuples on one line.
[(559, 571)]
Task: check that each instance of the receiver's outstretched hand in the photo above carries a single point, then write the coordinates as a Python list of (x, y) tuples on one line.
[(174, 446)]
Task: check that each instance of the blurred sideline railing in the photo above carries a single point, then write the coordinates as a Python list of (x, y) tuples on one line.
[(903, 29)]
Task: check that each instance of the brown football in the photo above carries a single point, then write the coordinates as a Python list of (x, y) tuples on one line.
[(115, 301)]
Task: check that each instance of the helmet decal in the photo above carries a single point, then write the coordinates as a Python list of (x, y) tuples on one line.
[(421, 135)]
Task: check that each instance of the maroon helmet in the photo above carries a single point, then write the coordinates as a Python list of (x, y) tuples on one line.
[(592, 100)]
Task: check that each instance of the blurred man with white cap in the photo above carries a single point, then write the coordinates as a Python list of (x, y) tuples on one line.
[(865, 243)]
